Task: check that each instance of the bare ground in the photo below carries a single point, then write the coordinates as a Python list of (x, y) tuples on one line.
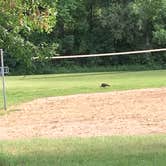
[(132, 112)]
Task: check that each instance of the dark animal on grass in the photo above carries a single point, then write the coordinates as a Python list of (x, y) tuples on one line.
[(103, 85)]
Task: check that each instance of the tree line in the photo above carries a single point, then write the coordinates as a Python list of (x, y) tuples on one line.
[(64, 27)]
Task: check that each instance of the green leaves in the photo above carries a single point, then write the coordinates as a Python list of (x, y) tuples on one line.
[(39, 15)]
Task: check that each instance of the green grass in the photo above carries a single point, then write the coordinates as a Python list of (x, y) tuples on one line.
[(102, 151), (21, 89)]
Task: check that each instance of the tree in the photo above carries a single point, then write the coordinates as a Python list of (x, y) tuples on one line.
[(19, 19), (38, 14)]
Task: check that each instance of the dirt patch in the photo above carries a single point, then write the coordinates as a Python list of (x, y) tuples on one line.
[(102, 114)]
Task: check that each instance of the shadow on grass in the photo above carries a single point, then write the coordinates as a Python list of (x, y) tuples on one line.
[(78, 159), (36, 77), (86, 156)]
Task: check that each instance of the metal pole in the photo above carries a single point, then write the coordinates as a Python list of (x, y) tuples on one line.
[(3, 80)]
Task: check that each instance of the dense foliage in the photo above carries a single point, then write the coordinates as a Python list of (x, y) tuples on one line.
[(50, 27)]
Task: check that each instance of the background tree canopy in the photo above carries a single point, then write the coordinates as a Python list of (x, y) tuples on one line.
[(49, 27)]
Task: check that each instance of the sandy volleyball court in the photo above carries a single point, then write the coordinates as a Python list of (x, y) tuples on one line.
[(130, 112)]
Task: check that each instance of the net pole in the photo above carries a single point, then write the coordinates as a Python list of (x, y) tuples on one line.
[(3, 81)]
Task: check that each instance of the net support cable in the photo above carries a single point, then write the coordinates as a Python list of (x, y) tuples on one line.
[(104, 54)]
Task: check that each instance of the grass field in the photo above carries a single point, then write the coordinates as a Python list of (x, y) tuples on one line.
[(102, 151), (114, 151), (21, 89)]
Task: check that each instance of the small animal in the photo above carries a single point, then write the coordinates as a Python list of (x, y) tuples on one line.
[(103, 85)]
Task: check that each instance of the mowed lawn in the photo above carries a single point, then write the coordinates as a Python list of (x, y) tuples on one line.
[(21, 89), (102, 151)]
